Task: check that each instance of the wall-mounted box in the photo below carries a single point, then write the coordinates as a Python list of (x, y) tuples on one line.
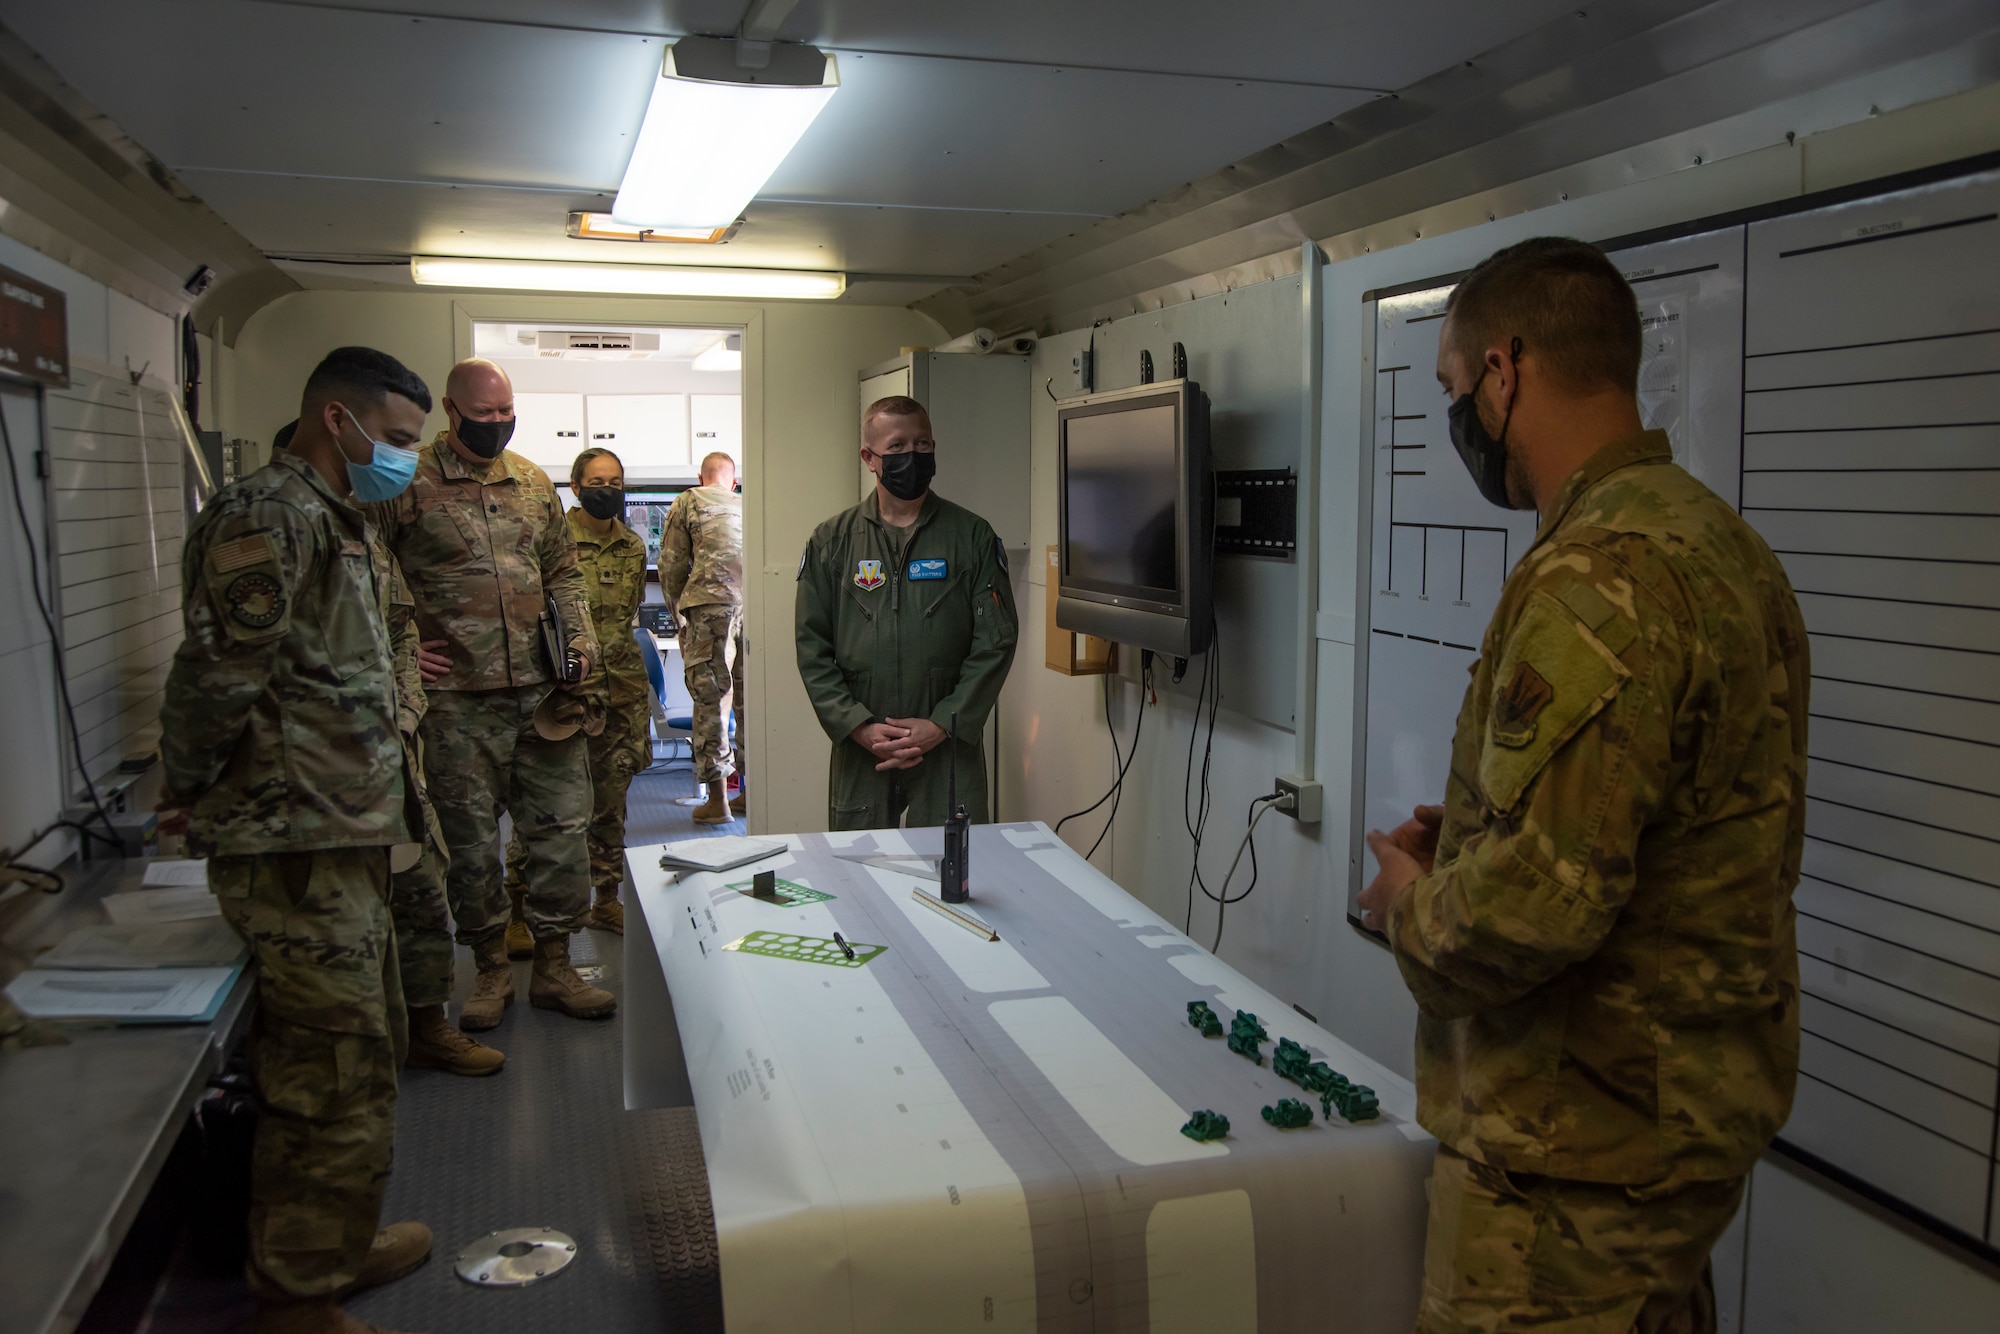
[(1067, 651)]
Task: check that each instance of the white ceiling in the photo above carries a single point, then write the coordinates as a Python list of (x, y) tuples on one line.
[(963, 136)]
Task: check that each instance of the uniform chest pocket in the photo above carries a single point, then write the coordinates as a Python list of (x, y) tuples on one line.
[(350, 622)]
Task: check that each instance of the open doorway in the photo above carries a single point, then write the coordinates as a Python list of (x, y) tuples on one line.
[(660, 398)]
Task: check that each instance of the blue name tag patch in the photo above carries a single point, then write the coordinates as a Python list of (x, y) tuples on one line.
[(927, 569)]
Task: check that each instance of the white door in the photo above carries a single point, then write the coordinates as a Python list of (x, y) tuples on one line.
[(894, 384), (717, 422), (548, 428), (648, 433)]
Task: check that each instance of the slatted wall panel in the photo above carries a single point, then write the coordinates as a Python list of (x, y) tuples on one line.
[(118, 457)]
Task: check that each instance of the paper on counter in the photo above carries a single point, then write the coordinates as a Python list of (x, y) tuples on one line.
[(201, 942), (176, 871), (178, 903), (160, 995), (723, 852)]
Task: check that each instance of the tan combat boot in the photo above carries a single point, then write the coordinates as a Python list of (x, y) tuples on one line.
[(520, 944), (715, 810), (739, 804), (436, 1045), (608, 914), (556, 986), (399, 1249), (493, 992), (311, 1317)]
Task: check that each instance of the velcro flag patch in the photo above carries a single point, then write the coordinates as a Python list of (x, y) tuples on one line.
[(250, 549)]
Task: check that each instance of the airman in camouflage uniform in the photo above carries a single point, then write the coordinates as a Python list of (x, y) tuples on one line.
[(281, 753), (418, 904), (613, 566), (1602, 949), (481, 539), (701, 574)]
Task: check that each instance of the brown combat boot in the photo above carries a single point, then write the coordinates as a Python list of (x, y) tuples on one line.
[(493, 992), (520, 944), (556, 986), (608, 914), (399, 1249), (311, 1317), (715, 810), (436, 1045), (738, 804)]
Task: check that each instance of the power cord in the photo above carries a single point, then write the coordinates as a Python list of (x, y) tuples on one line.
[(1270, 801), (55, 635), (1197, 824), (1121, 760)]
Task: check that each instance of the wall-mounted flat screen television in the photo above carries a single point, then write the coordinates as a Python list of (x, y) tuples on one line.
[(1137, 526)]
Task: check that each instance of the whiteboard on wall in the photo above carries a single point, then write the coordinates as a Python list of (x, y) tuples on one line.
[(1835, 373)]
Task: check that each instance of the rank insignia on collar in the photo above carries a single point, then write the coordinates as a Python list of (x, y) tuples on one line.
[(868, 574)]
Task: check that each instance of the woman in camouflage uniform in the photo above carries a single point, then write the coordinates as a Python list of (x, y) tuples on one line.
[(612, 559)]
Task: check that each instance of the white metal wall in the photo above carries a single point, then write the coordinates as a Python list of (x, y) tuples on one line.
[(117, 459)]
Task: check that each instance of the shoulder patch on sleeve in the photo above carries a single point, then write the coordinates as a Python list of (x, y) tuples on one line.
[(255, 600), (1553, 677), (250, 549)]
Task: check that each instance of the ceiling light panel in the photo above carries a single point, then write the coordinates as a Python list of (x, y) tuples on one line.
[(627, 279), (706, 146)]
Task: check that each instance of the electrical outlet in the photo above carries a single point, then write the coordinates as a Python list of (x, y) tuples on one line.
[(1308, 796)]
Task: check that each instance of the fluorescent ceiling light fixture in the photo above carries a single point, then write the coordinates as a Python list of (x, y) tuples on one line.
[(601, 227), (725, 355), (708, 144), (529, 275)]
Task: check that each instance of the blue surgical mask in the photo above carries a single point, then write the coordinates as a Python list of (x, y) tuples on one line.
[(385, 476)]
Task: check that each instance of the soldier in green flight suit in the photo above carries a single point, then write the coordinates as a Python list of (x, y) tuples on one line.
[(1597, 923), (284, 765), (904, 618), (612, 559)]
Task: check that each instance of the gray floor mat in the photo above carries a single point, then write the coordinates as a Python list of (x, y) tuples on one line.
[(547, 1142)]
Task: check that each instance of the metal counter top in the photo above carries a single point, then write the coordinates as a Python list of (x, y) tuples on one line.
[(85, 1128)]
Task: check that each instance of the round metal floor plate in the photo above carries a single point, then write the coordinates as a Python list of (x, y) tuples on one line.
[(515, 1257)]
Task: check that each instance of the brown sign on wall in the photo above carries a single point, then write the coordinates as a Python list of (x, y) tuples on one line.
[(34, 329)]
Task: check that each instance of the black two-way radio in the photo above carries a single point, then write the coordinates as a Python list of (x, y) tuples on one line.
[(954, 872)]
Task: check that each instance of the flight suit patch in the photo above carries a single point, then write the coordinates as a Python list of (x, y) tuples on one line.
[(1519, 703), (927, 569), (868, 575), (252, 549), (256, 600)]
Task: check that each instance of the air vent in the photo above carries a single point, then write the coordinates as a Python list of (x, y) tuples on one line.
[(592, 344)]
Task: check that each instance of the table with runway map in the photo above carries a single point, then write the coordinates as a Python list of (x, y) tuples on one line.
[(949, 1132)]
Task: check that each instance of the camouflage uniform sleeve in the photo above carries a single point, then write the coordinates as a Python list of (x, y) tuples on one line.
[(240, 579), (1574, 759), (411, 701), (563, 579), (813, 613), (676, 549), (995, 629)]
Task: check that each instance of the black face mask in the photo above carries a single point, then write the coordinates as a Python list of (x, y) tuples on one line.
[(907, 475), (1483, 455), (486, 439), (602, 502)]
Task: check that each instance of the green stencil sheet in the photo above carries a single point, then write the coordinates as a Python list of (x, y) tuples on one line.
[(804, 949), (789, 895)]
